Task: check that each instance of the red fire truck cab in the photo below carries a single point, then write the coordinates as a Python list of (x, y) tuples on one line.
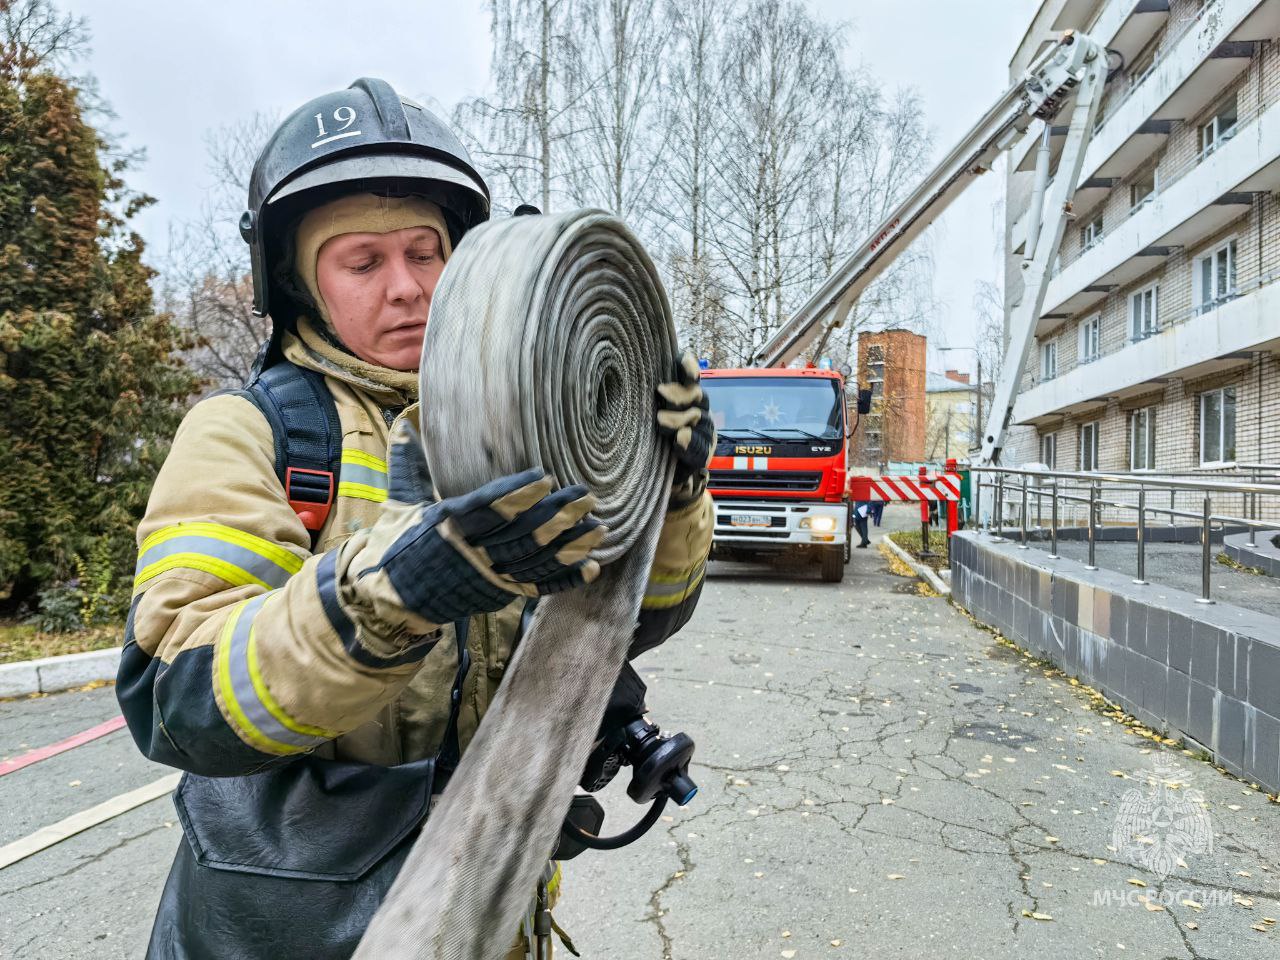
[(778, 474)]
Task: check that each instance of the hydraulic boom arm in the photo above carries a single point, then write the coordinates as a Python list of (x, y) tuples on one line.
[(1075, 63)]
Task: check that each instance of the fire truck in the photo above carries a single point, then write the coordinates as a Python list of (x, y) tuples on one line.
[(778, 476)]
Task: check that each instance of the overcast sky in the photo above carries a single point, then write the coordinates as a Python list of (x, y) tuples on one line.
[(173, 71)]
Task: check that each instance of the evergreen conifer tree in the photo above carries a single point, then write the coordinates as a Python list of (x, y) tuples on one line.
[(90, 387)]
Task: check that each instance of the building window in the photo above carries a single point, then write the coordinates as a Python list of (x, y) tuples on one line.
[(1090, 338), (1143, 189), (1091, 233), (1049, 450), (1089, 446), (1215, 277), (1143, 313), (1142, 65), (1048, 360), (1142, 439), (1219, 128), (1218, 426)]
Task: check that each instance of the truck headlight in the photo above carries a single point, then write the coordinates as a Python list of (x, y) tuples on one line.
[(819, 524)]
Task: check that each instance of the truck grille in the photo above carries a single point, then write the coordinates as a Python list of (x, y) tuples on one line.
[(798, 480)]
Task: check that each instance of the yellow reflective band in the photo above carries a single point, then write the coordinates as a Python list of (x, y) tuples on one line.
[(268, 701), (232, 555), (361, 459), (669, 590), (361, 491), (198, 561), (264, 548), (255, 736)]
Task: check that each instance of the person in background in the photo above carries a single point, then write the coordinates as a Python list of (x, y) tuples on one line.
[(861, 510), (877, 511)]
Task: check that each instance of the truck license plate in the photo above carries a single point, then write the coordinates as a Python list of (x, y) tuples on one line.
[(748, 520)]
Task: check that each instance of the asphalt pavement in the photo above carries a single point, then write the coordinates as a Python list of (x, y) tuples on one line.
[(879, 778)]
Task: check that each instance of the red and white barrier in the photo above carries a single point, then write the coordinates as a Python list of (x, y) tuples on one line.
[(928, 487), (933, 486)]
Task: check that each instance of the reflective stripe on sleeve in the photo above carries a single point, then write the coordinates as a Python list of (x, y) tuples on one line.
[(363, 476), (668, 590), (254, 712), (235, 556)]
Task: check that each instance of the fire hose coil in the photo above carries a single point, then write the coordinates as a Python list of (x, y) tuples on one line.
[(547, 338)]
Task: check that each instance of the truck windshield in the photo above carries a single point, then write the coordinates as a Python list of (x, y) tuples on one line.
[(778, 407)]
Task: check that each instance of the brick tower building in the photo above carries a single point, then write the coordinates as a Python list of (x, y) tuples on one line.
[(892, 364)]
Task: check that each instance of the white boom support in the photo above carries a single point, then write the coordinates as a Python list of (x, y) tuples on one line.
[(1074, 64)]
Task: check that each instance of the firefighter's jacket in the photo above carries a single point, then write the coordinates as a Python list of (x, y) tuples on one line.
[(309, 742)]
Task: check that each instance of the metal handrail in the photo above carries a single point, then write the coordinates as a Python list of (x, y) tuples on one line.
[(1052, 485), (1141, 480)]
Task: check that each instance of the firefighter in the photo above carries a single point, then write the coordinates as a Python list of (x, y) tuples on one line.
[(314, 637)]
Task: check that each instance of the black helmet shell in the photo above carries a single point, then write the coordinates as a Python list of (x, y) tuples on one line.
[(364, 137)]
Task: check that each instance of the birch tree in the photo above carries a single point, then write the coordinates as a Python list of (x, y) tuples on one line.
[(779, 71), (519, 134), (691, 111), (618, 139)]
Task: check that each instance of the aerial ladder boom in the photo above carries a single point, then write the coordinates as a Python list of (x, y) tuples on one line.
[(1074, 64)]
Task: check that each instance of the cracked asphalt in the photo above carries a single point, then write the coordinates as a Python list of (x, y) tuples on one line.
[(879, 777)]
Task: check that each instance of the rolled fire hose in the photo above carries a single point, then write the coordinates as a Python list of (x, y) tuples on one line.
[(547, 338)]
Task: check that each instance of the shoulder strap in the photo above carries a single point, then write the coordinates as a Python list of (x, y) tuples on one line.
[(308, 438)]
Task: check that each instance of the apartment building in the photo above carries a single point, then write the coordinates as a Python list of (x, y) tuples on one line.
[(950, 409), (1156, 346), (892, 364)]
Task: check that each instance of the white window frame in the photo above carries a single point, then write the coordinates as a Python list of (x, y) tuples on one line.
[(1048, 360), (1147, 417), (1088, 464), (1091, 233), (1221, 394), (1203, 301), (1049, 450), (1149, 297), (1136, 205), (1090, 339), (1214, 132), (1143, 65)]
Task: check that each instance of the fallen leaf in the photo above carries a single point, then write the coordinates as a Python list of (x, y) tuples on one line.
[(1136, 882), (1193, 905), (1036, 916), (897, 876), (1052, 840), (788, 954), (1192, 925), (836, 943)]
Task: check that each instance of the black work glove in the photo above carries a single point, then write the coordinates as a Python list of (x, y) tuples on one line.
[(447, 560), (684, 415)]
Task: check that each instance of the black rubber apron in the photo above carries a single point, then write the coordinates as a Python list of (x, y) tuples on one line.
[(291, 863)]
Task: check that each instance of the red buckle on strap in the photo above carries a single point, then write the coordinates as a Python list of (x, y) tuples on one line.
[(313, 512)]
